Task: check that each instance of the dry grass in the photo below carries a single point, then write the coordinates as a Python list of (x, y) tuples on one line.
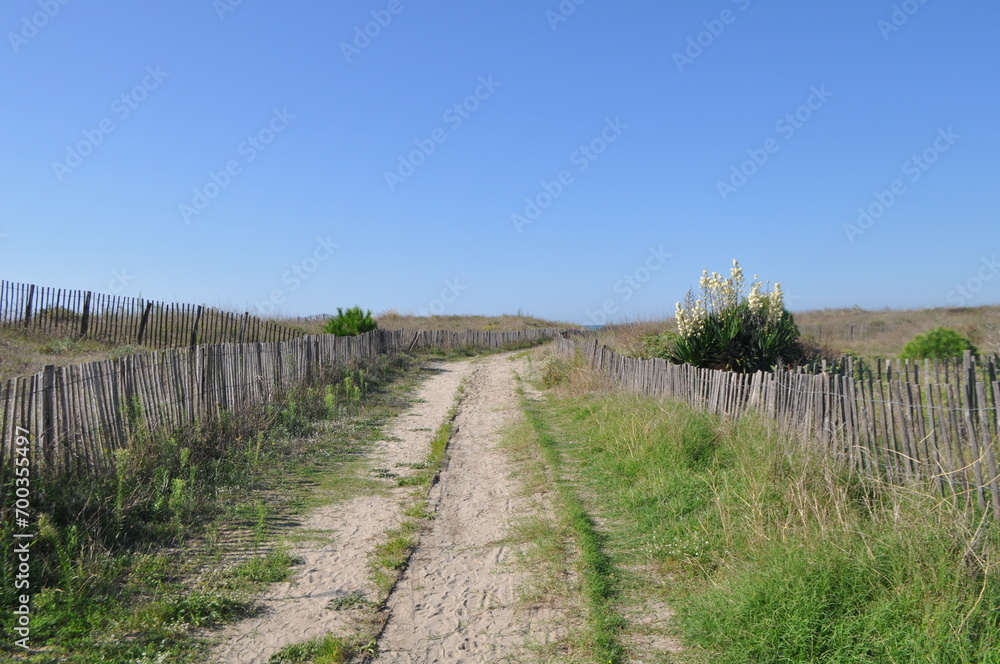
[(888, 330), (23, 353), (393, 320), (626, 338), (877, 333)]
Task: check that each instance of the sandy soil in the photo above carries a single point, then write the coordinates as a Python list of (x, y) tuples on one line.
[(456, 602), (297, 610)]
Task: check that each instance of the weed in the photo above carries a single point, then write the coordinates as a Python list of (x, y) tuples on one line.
[(274, 567), (350, 602)]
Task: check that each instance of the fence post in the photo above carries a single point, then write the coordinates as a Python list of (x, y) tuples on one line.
[(85, 318), (48, 411), (142, 323), (27, 305), (194, 330)]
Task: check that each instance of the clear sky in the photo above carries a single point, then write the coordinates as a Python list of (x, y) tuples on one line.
[(486, 157)]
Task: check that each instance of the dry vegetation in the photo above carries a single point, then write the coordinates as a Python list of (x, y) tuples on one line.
[(23, 353), (26, 352), (884, 332), (869, 333), (393, 320)]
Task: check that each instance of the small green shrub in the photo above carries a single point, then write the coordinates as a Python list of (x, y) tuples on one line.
[(940, 343), (658, 345), (350, 323)]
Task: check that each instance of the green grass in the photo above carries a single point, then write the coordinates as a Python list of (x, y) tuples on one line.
[(391, 556), (769, 551), (271, 568), (327, 649), (600, 577)]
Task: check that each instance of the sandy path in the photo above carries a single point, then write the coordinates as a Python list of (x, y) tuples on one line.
[(297, 611), (455, 602)]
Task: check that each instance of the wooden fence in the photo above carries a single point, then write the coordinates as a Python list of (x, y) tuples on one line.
[(848, 331), (127, 320), (78, 416), (896, 420)]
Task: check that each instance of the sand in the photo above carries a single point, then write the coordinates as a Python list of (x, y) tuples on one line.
[(456, 602)]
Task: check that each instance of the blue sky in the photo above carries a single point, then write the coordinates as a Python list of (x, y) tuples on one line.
[(574, 161)]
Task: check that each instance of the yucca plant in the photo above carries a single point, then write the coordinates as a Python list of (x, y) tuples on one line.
[(728, 328)]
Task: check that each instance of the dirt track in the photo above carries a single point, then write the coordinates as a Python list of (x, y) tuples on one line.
[(456, 601)]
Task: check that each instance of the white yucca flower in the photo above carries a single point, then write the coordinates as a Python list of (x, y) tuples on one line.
[(776, 307), (756, 299)]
